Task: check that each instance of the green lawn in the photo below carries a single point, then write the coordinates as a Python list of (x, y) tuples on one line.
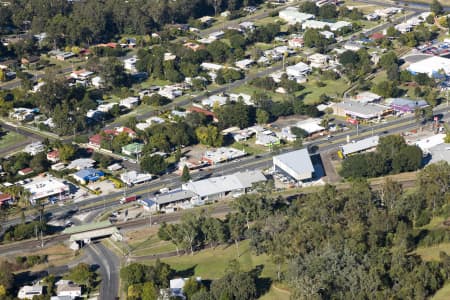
[(211, 263), (10, 138), (332, 88), (152, 245), (443, 293), (249, 147), (432, 252)]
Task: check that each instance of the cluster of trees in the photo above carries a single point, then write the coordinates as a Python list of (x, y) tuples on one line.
[(356, 64), (392, 156), (143, 282), (75, 23), (267, 83), (421, 33), (327, 11), (350, 243), (314, 39), (29, 261)]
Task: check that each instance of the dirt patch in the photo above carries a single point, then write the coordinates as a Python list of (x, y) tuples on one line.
[(331, 176)]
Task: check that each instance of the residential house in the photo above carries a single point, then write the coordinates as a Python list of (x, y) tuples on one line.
[(298, 70), (29, 291), (97, 139), (327, 34), (133, 149), (193, 46), (318, 60), (30, 62), (247, 26), (170, 92), (211, 66), (203, 112), (244, 64), (66, 288), (214, 100), (130, 102), (296, 42), (34, 148), (5, 199), (53, 156), (314, 24), (81, 163), (129, 64)]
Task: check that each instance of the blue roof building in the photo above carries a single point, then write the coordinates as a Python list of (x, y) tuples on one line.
[(88, 175)]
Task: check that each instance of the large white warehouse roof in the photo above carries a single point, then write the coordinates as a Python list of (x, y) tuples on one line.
[(431, 66)]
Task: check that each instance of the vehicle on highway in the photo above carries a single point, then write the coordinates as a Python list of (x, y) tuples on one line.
[(128, 199)]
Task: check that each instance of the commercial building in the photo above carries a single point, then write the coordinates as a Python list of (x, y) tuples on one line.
[(310, 125), (403, 105), (170, 200), (222, 154), (429, 142), (292, 16), (46, 186), (432, 66), (366, 97), (297, 164), (132, 177), (88, 175), (361, 145), (356, 110), (229, 185), (439, 153)]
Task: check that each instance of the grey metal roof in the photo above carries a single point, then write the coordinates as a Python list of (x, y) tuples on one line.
[(172, 196), (298, 161), (367, 110), (222, 184), (361, 145)]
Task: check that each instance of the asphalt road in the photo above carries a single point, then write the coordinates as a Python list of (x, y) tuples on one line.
[(109, 265), (248, 163)]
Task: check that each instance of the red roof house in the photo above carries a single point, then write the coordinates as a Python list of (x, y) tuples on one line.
[(53, 156), (26, 171), (203, 112), (5, 198), (377, 36)]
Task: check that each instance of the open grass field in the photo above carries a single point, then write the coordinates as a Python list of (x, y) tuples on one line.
[(432, 253), (443, 293), (332, 88), (10, 138), (212, 263)]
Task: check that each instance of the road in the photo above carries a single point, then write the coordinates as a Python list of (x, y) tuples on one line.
[(248, 163), (109, 265)]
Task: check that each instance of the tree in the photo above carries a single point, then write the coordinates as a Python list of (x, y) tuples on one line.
[(234, 286), (39, 163), (262, 116), (436, 7), (149, 291), (66, 152), (113, 73), (299, 132), (185, 176), (6, 276), (209, 135), (154, 164), (171, 232), (191, 286), (236, 225), (82, 274)]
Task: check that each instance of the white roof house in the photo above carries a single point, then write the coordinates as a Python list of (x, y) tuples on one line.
[(66, 288), (245, 97), (29, 291), (81, 163), (431, 66), (34, 148), (130, 64), (292, 16), (170, 92), (245, 63), (300, 69), (218, 187), (130, 102), (42, 187), (318, 60), (213, 100), (211, 66), (296, 164), (361, 145), (367, 97), (222, 154), (314, 24)]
